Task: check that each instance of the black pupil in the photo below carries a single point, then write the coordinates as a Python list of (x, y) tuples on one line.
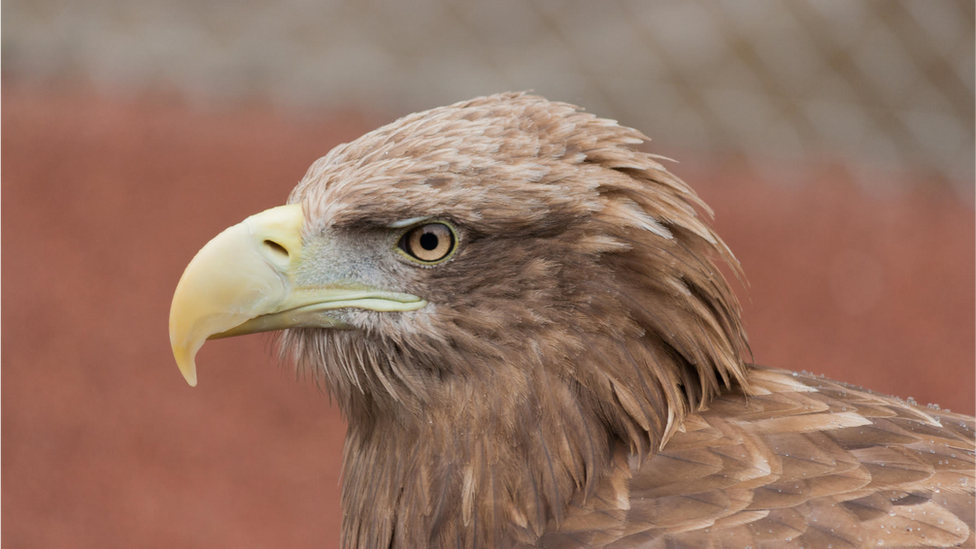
[(428, 241)]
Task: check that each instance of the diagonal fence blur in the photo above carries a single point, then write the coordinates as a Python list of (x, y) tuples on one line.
[(881, 85)]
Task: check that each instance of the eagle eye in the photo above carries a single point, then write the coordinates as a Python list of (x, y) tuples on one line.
[(429, 244)]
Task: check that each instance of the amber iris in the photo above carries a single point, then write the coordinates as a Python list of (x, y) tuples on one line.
[(429, 243)]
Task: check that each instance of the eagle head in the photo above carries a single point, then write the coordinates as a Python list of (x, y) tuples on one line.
[(495, 292)]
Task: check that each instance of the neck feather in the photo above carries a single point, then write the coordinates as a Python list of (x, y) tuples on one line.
[(494, 458), (493, 468)]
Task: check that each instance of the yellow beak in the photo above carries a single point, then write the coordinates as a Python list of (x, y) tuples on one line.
[(243, 281)]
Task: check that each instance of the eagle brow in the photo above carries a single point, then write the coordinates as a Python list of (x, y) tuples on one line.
[(407, 222)]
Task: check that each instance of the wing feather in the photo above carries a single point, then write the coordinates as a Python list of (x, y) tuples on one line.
[(803, 462)]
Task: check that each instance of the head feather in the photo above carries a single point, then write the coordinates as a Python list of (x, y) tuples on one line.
[(584, 307)]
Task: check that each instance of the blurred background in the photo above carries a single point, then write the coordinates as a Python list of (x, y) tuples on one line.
[(833, 139)]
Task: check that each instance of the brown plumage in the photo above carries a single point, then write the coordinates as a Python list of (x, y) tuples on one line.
[(577, 377)]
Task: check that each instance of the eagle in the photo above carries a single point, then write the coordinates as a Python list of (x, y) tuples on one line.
[(522, 318)]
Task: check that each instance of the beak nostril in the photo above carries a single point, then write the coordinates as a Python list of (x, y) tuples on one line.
[(277, 250)]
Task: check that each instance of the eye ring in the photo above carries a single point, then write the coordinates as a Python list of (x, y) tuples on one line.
[(429, 244)]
